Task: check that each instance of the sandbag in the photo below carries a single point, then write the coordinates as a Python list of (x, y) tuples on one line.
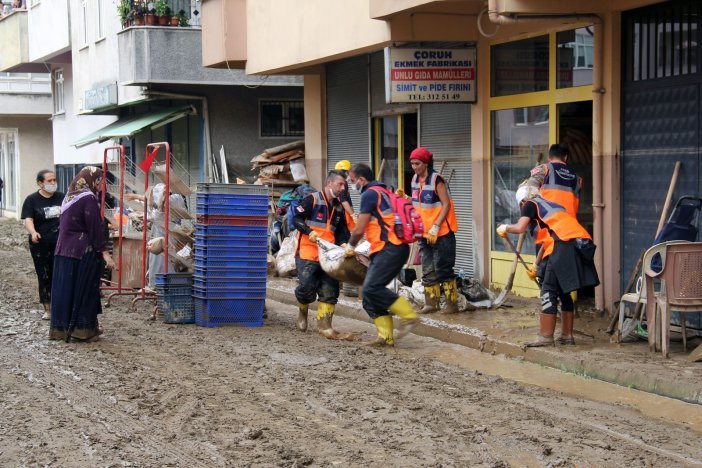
[(285, 259), (155, 245), (350, 270)]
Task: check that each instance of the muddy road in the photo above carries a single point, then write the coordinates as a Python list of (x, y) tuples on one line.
[(152, 394)]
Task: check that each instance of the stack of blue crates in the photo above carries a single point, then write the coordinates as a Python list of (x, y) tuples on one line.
[(174, 297), (231, 247)]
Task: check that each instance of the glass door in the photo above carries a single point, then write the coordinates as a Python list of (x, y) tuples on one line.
[(394, 138)]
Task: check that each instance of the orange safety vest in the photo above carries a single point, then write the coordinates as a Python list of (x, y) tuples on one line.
[(559, 222), (562, 186), (379, 229), (319, 221), (426, 201)]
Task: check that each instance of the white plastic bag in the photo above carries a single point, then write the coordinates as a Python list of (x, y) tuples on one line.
[(350, 270), (285, 259)]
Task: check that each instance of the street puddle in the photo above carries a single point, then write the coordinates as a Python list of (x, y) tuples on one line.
[(649, 404)]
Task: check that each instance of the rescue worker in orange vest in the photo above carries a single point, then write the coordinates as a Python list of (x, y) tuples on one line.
[(388, 255), (431, 199), (557, 183), (318, 216), (570, 263)]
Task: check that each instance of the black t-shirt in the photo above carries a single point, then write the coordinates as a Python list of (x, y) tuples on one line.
[(45, 213)]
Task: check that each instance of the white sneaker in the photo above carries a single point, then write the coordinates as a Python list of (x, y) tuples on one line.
[(46, 316)]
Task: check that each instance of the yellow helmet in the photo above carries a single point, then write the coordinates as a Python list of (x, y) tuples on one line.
[(343, 165)]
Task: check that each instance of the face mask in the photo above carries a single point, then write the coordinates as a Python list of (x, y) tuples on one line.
[(51, 188), (332, 193)]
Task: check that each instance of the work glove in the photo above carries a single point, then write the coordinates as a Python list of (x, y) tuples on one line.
[(433, 235), (501, 230), (400, 193), (354, 216), (313, 236), (348, 250), (531, 273)]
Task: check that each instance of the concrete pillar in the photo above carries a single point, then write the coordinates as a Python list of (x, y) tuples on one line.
[(316, 128)]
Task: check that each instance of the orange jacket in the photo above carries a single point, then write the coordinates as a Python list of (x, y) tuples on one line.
[(426, 201), (562, 186), (380, 228), (319, 220), (561, 223)]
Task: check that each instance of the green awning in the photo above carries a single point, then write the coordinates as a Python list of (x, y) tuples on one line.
[(130, 126)]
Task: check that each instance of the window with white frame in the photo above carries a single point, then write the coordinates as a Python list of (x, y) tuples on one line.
[(57, 91), (84, 23), (100, 18), (282, 118)]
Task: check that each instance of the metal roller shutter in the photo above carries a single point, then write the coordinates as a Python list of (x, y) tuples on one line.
[(445, 131), (347, 113)]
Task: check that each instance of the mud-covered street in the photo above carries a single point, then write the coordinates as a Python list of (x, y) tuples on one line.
[(152, 394)]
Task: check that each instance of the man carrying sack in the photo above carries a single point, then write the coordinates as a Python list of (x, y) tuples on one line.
[(431, 198), (388, 255), (318, 216), (570, 263)]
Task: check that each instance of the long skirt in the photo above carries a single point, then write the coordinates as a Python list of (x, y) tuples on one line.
[(75, 301)]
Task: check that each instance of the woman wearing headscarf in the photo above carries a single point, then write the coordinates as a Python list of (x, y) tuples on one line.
[(79, 252)]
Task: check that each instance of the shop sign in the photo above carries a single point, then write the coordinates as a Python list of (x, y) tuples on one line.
[(429, 75), (103, 96)]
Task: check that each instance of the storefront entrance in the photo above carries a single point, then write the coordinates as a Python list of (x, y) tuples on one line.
[(540, 94), (394, 138)]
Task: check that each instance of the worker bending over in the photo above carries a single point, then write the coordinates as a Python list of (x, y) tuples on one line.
[(387, 257), (557, 183), (431, 198), (570, 263), (318, 216)]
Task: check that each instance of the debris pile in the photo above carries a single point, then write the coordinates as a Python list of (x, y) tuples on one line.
[(281, 166)]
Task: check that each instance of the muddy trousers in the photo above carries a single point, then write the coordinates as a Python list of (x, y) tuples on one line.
[(551, 292), (384, 266), (438, 260), (314, 283), (43, 257)]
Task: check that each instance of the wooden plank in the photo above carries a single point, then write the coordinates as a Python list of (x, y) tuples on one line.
[(283, 156), (285, 147)]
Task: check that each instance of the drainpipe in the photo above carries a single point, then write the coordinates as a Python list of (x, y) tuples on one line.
[(206, 117), (597, 161)]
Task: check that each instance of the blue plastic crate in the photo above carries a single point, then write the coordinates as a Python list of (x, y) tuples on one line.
[(206, 232), (202, 282), (176, 308), (241, 189), (232, 292), (173, 279), (226, 242), (232, 199), (219, 312), (224, 272), (225, 210), (232, 261), (231, 250)]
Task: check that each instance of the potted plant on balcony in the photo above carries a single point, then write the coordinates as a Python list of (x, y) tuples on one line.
[(150, 17), (124, 9), (182, 19), (163, 11), (138, 15), (175, 20)]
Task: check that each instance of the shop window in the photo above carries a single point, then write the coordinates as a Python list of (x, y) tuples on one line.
[(575, 56), (282, 118), (520, 140), (57, 91), (519, 67)]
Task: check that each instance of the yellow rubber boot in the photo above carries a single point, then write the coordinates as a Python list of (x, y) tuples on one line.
[(325, 314), (302, 310), (408, 317), (451, 292), (432, 296), (384, 326)]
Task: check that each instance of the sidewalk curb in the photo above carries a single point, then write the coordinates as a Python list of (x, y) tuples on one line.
[(477, 339)]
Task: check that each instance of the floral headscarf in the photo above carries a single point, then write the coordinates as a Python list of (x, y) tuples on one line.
[(87, 182)]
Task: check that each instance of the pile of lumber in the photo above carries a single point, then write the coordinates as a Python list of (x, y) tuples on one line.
[(273, 164)]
